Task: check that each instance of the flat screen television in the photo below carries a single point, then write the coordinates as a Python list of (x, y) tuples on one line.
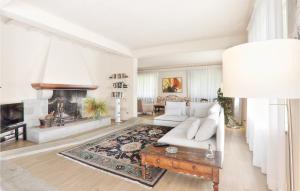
[(11, 114)]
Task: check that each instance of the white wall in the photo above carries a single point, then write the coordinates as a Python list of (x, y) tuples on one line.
[(24, 53), (1, 61)]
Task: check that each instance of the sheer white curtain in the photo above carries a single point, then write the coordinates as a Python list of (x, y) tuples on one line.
[(203, 83), (298, 20), (147, 87), (265, 118)]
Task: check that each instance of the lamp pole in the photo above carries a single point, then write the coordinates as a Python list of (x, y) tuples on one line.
[(290, 146)]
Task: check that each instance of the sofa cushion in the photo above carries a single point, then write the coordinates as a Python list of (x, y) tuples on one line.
[(215, 108), (176, 105), (214, 116), (173, 111), (198, 109), (175, 118), (206, 130), (166, 123), (199, 112), (177, 137), (192, 130), (186, 124)]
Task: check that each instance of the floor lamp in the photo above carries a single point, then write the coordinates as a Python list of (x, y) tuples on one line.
[(266, 69)]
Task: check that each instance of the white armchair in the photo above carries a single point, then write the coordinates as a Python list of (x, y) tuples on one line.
[(144, 108)]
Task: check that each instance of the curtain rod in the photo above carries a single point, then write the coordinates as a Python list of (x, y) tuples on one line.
[(154, 68)]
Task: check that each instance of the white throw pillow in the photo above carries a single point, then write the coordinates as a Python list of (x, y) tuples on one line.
[(173, 111), (206, 130), (214, 109), (192, 131)]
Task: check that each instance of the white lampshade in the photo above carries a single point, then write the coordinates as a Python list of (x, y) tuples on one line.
[(267, 69)]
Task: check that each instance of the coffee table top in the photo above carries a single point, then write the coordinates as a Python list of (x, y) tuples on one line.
[(186, 154)]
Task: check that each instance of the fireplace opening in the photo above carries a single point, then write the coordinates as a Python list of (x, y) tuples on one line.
[(66, 106)]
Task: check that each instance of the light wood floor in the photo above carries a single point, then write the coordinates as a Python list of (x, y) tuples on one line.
[(15, 145), (11, 145), (237, 174)]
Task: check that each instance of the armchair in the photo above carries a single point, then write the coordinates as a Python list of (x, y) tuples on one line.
[(144, 108)]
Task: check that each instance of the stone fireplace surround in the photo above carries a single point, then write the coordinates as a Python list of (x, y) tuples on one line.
[(45, 103)]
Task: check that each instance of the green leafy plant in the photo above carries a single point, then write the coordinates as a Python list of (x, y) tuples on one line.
[(227, 104), (95, 108)]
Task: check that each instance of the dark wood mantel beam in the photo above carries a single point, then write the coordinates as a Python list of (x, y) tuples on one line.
[(48, 86)]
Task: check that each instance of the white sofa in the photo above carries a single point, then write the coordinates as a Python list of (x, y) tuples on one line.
[(181, 124), (171, 119)]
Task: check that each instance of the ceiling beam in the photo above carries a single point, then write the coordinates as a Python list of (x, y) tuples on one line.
[(191, 46), (38, 18)]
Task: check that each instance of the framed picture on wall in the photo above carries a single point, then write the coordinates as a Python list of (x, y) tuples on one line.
[(172, 85)]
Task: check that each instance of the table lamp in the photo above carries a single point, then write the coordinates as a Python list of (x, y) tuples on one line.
[(265, 69)]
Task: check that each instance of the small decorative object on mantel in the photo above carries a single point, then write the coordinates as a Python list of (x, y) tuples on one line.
[(118, 76), (47, 121)]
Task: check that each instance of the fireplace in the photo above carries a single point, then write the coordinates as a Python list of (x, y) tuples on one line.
[(62, 112), (61, 105), (66, 105), (64, 102)]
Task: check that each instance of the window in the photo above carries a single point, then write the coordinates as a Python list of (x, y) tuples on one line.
[(204, 83), (147, 87)]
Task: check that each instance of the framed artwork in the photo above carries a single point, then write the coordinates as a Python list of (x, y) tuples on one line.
[(172, 85)]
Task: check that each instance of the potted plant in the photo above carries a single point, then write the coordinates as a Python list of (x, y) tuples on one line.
[(95, 108), (227, 104)]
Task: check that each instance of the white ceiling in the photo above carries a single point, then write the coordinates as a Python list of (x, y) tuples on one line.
[(182, 59), (145, 23)]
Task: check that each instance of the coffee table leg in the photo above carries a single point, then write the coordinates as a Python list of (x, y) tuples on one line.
[(216, 186), (216, 179), (144, 172)]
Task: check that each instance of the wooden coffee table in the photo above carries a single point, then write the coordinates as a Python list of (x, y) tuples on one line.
[(186, 160)]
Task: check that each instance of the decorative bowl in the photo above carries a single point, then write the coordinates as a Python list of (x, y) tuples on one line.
[(171, 150)]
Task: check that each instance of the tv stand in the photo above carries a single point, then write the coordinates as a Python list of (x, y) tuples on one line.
[(16, 129)]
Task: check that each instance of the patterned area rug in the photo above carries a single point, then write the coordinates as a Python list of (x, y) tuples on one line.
[(118, 153)]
